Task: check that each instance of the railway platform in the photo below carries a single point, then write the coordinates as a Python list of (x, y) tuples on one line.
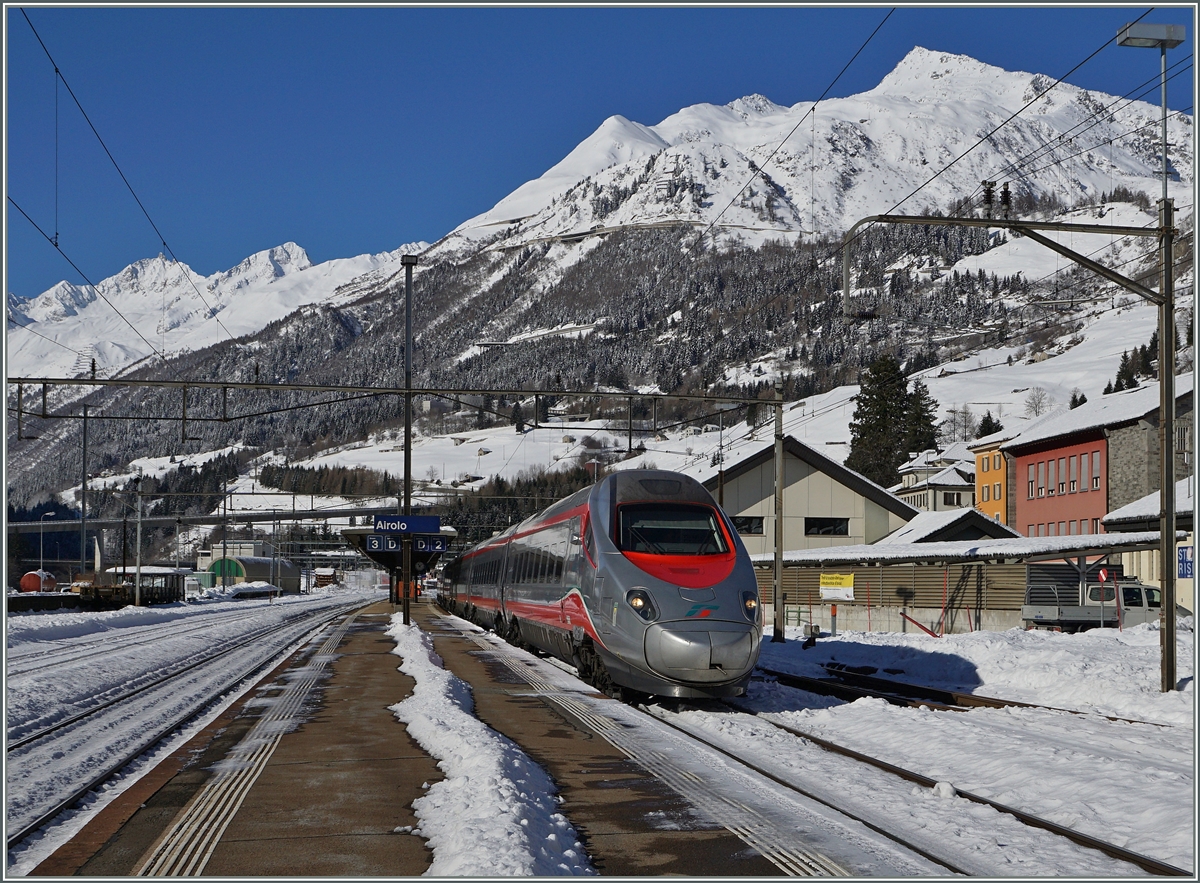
[(334, 793)]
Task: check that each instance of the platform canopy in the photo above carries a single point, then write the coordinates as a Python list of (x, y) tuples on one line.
[(1017, 550)]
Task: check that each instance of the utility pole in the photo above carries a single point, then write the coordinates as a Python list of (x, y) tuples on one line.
[(137, 571), (83, 503), (777, 636), (1164, 299), (1163, 37), (408, 261)]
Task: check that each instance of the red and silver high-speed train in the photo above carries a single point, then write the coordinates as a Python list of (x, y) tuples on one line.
[(639, 581)]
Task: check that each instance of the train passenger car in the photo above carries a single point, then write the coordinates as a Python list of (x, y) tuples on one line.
[(639, 581)]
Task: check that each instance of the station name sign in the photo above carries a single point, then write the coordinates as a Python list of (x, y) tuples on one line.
[(408, 524)]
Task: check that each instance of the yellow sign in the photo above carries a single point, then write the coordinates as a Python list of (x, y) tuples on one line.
[(837, 581)]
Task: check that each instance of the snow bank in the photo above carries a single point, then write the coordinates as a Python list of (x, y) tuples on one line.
[(1107, 671), (494, 813)]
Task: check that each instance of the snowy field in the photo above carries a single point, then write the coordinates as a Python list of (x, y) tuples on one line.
[(1129, 783)]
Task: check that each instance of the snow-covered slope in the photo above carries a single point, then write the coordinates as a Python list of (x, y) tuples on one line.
[(852, 157), (176, 309)]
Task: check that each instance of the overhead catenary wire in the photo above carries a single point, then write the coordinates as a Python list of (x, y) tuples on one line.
[(984, 138), (88, 281), (1096, 118), (133, 193), (807, 113), (29, 328)]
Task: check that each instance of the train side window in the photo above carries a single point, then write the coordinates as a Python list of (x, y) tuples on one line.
[(589, 543)]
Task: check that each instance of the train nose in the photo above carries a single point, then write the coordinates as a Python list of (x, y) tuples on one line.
[(701, 652)]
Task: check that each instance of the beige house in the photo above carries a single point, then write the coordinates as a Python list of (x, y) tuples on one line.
[(824, 503)]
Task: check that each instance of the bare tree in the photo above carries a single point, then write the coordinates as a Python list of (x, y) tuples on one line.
[(1038, 402)]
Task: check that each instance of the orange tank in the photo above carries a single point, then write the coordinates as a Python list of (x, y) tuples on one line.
[(31, 582)]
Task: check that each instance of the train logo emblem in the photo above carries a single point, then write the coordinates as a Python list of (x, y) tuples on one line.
[(702, 610)]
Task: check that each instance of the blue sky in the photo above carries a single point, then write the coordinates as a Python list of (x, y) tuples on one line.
[(358, 130)]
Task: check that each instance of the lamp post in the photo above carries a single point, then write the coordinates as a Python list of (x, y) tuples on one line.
[(1164, 37), (41, 552), (408, 261)]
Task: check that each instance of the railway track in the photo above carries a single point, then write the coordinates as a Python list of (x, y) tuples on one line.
[(35, 662), (1146, 863), (60, 764), (853, 683), (1066, 843), (108, 702)]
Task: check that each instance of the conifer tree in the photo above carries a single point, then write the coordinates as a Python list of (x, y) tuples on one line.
[(920, 429), (887, 420), (988, 425)]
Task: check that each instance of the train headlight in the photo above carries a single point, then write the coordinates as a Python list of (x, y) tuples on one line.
[(643, 606), (750, 606)]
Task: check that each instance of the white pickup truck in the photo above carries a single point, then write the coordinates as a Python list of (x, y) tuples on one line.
[(1055, 607)]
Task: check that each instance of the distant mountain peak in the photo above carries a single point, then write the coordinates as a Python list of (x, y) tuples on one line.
[(754, 105)]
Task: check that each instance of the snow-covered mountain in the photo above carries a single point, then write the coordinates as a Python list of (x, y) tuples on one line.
[(849, 158), (177, 309)]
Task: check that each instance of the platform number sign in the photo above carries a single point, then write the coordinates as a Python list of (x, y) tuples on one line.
[(1186, 562), (393, 543)]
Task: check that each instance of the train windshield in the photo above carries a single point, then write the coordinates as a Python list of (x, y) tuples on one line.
[(669, 529)]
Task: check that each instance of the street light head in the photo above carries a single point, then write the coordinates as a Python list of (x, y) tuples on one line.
[(408, 260), (1151, 36)]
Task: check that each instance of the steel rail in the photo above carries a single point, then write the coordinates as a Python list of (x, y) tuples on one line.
[(852, 685), (154, 739), (809, 794), (31, 663), (960, 701), (1146, 863)]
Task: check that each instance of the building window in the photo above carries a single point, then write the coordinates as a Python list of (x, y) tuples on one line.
[(1050, 484), (1041, 478), (986, 463), (1095, 470), (986, 489), (1062, 529), (1095, 525), (1083, 472), (1083, 525), (1050, 529), (950, 498), (1071, 527), (1031, 490), (996, 461), (996, 491), (1041, 530), (748, 525), (1029, 532), (827, 527)]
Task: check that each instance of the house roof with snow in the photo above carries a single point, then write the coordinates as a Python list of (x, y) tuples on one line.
[(952, 477), (1014, 550), (948, 525), (1108, 411), (929, 460), (857, 482), (1142, 514)]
